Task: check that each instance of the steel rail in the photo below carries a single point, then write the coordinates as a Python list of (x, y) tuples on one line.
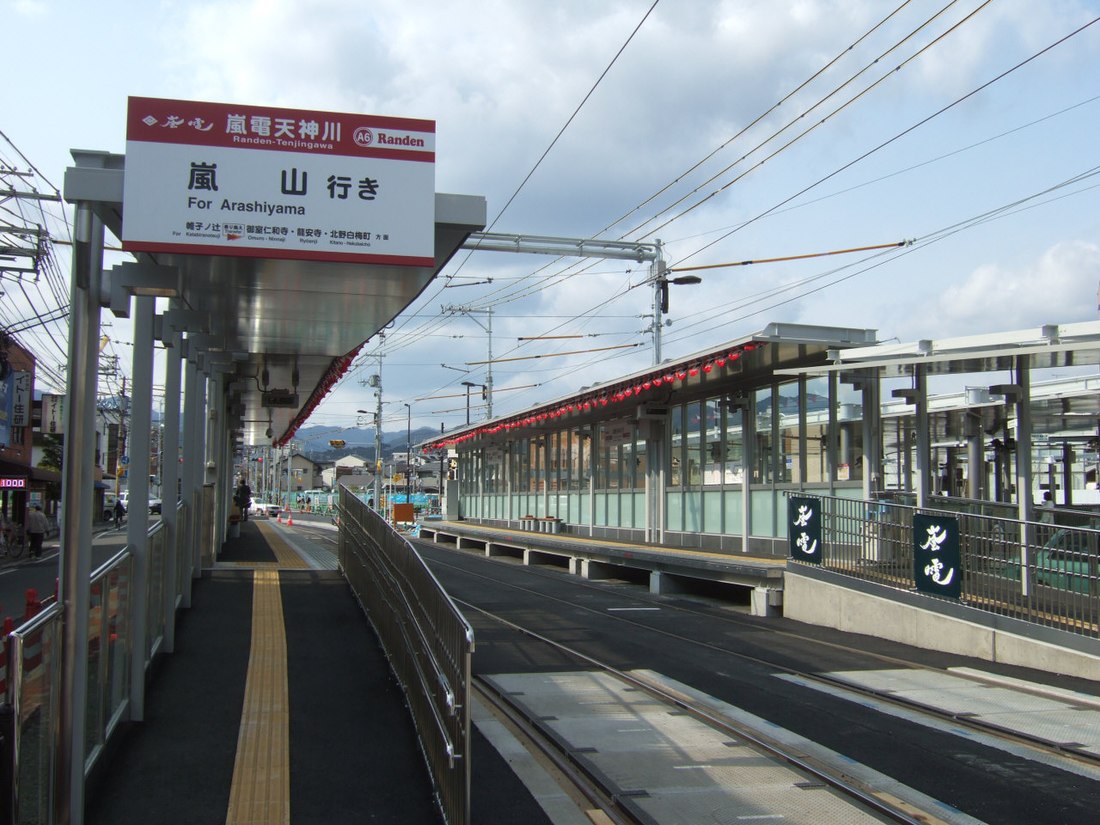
[(531, 735), (845, 785)]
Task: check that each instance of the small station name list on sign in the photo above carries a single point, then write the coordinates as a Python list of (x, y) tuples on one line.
[(223, 179)]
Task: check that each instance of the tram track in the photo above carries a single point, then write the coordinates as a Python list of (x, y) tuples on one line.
[(599, 803), (1060, 755), (615, 806)]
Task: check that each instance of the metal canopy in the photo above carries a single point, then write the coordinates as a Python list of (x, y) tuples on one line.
[(1065, 409), (290, 322), (1051, 346)]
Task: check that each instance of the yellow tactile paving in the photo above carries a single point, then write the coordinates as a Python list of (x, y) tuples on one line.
[(286, 557), (260, 794)]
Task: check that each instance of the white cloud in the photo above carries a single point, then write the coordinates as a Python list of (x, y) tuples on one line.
[(30, 8), (1059, 287)]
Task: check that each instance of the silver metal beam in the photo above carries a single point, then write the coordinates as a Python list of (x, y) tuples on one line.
[(571, 247)]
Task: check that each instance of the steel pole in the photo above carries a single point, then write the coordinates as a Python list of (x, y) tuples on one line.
[(76, 515)]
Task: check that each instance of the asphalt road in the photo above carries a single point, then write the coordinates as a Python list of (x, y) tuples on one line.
[(738, 659), (17, 576)]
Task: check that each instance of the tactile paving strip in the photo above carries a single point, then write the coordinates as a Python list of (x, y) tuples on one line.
[(260, 793)]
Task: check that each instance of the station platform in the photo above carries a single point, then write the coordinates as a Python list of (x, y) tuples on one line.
[(278, 706), (667, 570)]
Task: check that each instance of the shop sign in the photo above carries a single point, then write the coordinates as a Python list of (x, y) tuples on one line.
[(53, 414), (21, 400)]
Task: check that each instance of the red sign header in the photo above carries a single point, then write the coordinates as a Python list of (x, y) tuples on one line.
[(279, 130)]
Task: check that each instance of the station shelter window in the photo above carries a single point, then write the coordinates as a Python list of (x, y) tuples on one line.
[(763, 449), (617, 452), (733, 452)]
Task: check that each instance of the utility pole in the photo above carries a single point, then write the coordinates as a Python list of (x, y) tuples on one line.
[(375, 381), (121, 438), (488, 327), (660, 280)]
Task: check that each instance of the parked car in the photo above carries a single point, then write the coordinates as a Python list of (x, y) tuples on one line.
[(154, 505)]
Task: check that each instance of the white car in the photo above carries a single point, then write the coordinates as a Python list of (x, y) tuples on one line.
[(264, 508)]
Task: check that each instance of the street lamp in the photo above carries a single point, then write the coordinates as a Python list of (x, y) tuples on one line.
[(467, 385), (660, 304)]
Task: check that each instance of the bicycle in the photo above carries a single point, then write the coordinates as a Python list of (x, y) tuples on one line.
[(14, 541)]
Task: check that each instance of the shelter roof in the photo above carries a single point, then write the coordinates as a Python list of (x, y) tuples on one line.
[(276, 330)]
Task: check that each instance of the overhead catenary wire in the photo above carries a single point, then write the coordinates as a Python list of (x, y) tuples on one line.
[(605, 303), (557, 137), (913, 127), (515, 295), (582, 269), (786, 258), (814, 126), (551, 355)]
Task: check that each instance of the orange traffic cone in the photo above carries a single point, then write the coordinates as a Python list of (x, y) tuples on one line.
[(289, 518), (279, 516)]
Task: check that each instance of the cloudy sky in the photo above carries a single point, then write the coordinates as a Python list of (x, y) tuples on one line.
[(732, 131)]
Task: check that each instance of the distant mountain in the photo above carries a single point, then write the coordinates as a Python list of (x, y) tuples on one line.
[(314, 441)]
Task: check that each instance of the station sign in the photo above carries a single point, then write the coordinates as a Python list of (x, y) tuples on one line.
[(937, 562), (261, 181), (804, 529)]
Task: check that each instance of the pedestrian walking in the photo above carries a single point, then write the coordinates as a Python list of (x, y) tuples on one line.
[(243, 497), (6, 533), (36, 530), (119, 511)]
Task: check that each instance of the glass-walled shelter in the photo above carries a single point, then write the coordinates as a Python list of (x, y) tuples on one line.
[(697, 452), (999, 422), (701, 451)]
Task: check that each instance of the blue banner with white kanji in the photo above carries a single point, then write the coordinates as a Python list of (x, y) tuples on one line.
[(804, 528), (936, 558)]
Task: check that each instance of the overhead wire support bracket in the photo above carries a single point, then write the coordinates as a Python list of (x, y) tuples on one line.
[(572, 247)]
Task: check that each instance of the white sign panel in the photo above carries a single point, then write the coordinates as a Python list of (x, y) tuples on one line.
[(219, 179), (53, 414), (21, 402)]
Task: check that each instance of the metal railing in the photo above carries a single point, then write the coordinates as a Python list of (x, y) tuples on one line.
[(1039, 572), (427, 640), (33, 668)]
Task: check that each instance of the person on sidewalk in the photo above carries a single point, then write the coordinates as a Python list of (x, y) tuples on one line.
[(36, 531), (243, 497), (119, 511)]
